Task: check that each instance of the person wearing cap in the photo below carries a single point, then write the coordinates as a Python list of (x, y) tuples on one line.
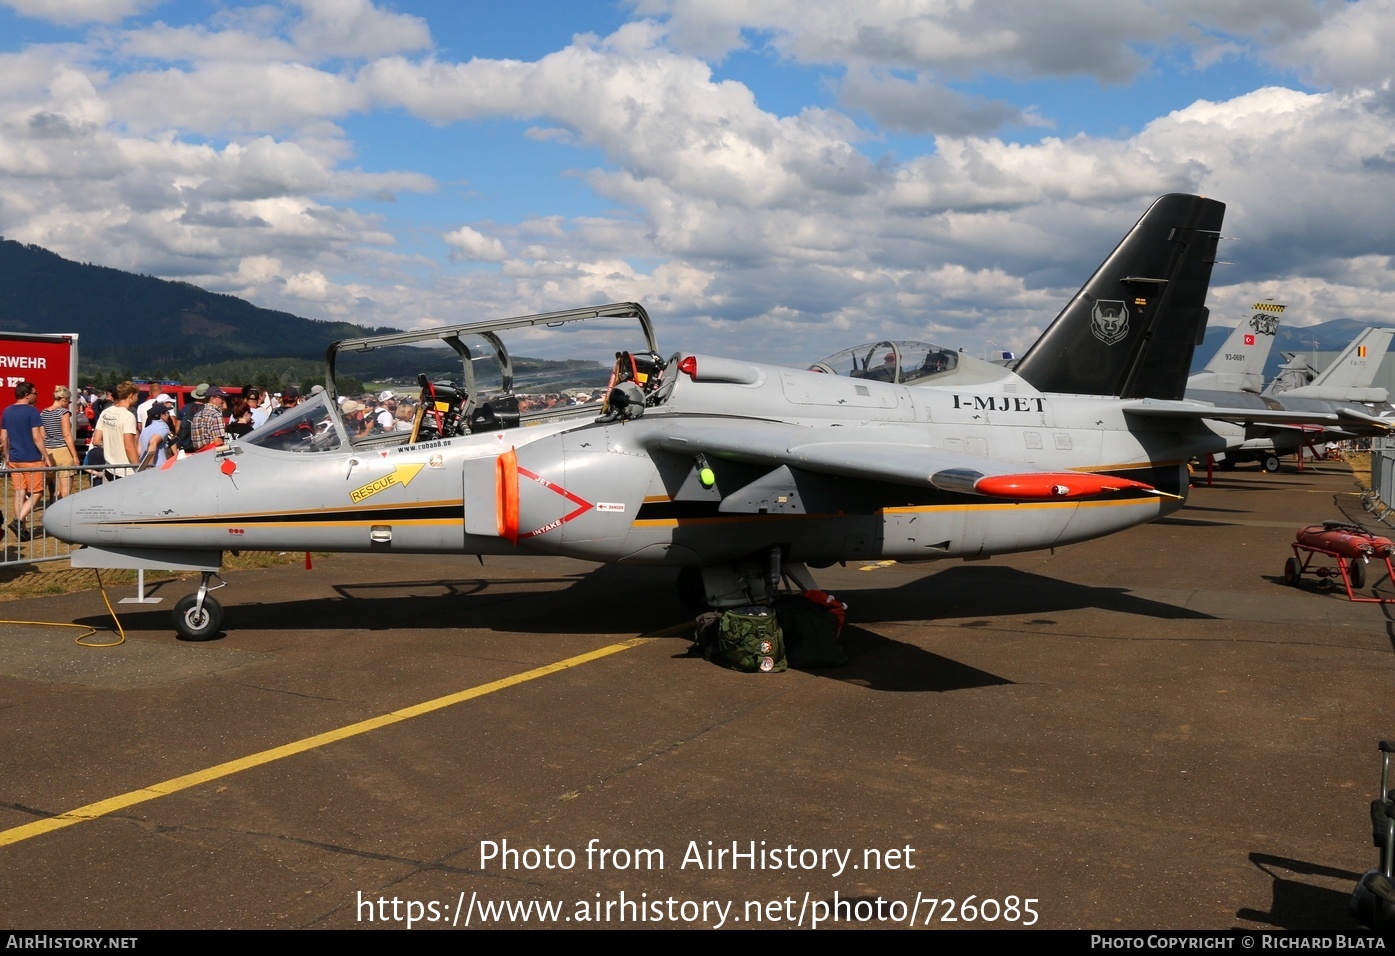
[(257, 404), (143, 409), (196, 401), (206, 428), (290, 397), (355, 423), (383, 415), (58, 440), (155, 436)]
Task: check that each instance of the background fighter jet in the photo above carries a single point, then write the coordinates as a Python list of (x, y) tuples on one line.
[(1347, 379), (1341, 392), (739, 473), (1238, 365)]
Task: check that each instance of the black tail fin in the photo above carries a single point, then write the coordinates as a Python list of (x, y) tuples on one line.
[(1131, 330)]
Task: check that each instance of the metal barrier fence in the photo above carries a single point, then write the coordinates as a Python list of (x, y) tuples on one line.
[(1383, 467), (38, 546), (1382, 490)]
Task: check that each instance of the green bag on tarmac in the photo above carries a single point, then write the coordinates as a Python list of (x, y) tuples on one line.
[(749, 639)]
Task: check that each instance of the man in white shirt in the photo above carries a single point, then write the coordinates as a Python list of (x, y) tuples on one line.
[(115, 433)]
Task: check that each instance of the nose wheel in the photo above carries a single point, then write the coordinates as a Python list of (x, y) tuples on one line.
[(198, 617)]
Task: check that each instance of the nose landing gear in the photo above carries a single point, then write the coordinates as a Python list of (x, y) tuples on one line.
[(198, 617)]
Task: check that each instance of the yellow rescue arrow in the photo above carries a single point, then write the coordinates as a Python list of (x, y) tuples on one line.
[(401, 475)]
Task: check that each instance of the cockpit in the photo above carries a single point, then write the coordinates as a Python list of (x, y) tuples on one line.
[(310, 427), (899, 362), (478, 384)]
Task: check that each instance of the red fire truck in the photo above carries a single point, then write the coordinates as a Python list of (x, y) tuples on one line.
[(46, 360)]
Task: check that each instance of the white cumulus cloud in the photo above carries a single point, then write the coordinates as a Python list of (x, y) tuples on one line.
[(467, 243)]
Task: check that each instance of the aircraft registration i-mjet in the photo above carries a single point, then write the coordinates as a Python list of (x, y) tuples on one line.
[(741, 474)]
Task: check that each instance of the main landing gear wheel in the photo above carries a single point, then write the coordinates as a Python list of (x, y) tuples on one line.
[(1293, 570), (1271, 463), (195, 624), (1356, 570)]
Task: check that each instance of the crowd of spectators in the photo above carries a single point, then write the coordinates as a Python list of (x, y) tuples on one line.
[(129, 427), (212, 415)]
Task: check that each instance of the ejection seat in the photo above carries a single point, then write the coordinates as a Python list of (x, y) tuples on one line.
[(441, 411)]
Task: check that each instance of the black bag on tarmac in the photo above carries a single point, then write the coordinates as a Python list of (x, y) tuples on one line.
[(810, 631)]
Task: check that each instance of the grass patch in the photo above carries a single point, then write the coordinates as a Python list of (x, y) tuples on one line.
[(1360, 464)]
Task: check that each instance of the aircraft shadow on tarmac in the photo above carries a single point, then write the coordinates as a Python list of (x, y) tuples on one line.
[(1196, 523), (1238, 484), (877, 662), (1302, 905), (992, 591), (614, 599), (1385, 609), (531, 604)]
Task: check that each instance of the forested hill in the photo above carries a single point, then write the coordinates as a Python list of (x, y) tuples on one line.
[(140, 322)]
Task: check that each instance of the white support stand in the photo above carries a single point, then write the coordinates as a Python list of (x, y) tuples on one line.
[(140, 597)]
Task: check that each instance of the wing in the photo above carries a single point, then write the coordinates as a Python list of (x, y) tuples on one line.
[(1364, 422), (886, 453), (1344, 420), (1197, 411)]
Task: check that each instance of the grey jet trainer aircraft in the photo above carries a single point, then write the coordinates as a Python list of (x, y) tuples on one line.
[(737, 473)]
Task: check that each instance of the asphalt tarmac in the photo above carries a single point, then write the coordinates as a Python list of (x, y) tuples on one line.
[(1149, 731)]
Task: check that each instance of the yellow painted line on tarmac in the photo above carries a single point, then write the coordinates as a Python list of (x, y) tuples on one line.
[(101, 808)]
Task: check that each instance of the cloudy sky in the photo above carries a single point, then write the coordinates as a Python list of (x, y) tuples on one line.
[(789, 177)]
